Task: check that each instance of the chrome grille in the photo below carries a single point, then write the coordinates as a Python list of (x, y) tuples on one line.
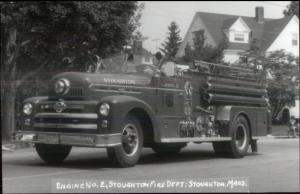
[(70, 121), (78, 92), (71, 108)]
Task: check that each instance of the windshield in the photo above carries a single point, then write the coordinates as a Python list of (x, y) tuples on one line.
[(123, 63)]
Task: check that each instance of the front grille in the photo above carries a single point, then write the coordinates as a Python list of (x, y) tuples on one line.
[(73, 93), (76, 92), (64, 122), (69, 109)]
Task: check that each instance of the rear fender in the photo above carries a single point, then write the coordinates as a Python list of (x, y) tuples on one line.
[(225, 115)]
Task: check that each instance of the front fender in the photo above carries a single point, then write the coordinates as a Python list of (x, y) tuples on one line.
[(35, 99), (120, 107)]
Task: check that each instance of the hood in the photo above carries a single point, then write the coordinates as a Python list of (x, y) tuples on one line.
[(103, 78), (80, 83)]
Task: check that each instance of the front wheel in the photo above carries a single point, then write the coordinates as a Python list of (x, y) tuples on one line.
[(129, 152), (52, 154)]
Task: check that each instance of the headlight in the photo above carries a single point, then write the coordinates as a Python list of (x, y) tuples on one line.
[(62, 86), (27, 108), (104, 109)]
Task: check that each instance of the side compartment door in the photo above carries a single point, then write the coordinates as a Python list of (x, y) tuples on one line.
[(262, 122)]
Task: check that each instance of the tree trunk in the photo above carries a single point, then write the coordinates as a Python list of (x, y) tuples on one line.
[(8, 112), (8, 90)]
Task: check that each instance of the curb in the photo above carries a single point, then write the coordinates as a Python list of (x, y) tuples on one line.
[(286, 137), (269, 137)]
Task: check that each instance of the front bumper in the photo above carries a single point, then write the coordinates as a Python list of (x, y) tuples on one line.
[(74, 139)]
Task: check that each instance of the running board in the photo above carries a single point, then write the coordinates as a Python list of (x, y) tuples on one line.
[(194, 139)]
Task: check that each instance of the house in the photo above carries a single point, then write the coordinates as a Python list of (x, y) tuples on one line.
[(242, 32), (289, 111), (139, 55)]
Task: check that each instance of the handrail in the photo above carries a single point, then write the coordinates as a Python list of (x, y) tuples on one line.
[(225, 66), (232, 72)]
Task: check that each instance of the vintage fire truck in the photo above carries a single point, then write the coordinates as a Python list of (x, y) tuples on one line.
[(141, 106)]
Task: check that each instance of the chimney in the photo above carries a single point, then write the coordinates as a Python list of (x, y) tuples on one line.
[(259, 14)]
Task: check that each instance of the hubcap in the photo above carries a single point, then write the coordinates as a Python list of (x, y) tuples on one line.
[(130, 140), (241, 137)]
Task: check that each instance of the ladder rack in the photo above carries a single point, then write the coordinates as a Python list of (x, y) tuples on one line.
[(228, 71)]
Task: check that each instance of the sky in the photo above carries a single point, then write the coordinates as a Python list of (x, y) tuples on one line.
[(157, 15)]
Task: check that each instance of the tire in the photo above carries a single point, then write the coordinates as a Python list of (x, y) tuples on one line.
[(240, 138), (168, 148), (53, 154), (129, 152)]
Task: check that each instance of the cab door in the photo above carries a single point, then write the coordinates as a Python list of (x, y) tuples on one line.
[(169, 106)]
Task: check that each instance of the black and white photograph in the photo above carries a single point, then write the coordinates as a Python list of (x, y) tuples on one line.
[(150, 96)]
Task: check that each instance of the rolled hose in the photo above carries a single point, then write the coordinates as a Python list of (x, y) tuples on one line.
[(230, 99), (215, 88)]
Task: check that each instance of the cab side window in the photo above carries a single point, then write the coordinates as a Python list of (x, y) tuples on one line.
[(169, 69)]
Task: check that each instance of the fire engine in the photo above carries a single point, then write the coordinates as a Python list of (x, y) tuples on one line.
[(142, 106)]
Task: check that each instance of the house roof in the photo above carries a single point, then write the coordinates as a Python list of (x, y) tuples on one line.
[(265, 33), (228, 22), (272, 30)]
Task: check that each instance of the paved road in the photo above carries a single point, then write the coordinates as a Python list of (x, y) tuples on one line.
[(274, 168)]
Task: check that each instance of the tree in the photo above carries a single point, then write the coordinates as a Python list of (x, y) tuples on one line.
[(203, 51), (188, 53), (158, 56), (292, 9), (56, 36), (284, 71), (171, 45)]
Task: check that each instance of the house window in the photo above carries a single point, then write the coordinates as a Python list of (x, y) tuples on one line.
[(239, 37), (198, 38), (294, 39)]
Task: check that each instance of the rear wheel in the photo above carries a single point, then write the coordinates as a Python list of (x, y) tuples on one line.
[(129, 152), (53, 154), (240, 138), (170, 148)]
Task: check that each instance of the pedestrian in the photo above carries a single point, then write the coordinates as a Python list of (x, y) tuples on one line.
[(292, 127)]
